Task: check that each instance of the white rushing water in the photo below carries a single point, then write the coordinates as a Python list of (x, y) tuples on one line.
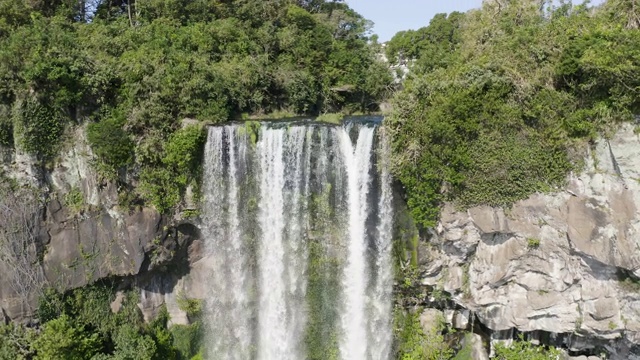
[(298, 220), (357, 161), (230, 312), (380, 301)]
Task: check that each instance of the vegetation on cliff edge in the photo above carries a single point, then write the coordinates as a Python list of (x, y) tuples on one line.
[(500, 98), (135, 69)]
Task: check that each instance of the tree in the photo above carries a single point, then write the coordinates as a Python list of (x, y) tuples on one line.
[(626, 10), (61, 339), (131, 345)]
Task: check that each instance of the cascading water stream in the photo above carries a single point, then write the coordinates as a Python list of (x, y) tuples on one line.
[(354, 341), (298, 225)]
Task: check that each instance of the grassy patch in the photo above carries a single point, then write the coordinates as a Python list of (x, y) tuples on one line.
[(74, 200), (330, 118), (533, 243)]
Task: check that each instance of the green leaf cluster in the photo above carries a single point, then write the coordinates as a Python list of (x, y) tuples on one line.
[(431, 46), (40, 128), (525, 350), (80, 324), (111, 143), (164, 183), (416, 344)]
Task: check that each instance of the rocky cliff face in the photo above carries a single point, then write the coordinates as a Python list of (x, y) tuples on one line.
[(85, 236), (563, 266)]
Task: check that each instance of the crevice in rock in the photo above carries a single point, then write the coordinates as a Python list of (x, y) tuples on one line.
[(616, 166), (496, 238)]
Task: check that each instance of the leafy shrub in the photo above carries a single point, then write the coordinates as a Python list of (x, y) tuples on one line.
[(15, 342), (193, 307), (533, 243), (498, 121), (131, 344), (188, 339), (6, 126), (184, 151), (40, 128), (160, 187), (110, 142), (163, 338), (74, 199), (524, 350), (164, 186), (50, 305), (415, 344), (62, 339), (465, 141)]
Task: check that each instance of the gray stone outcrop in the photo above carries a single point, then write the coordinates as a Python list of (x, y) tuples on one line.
[(562, 263)]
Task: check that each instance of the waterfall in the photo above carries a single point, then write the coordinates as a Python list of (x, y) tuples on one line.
[(354, 344), (298, 220)]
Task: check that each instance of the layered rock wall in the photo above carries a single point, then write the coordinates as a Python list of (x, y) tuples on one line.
[(566, 264)]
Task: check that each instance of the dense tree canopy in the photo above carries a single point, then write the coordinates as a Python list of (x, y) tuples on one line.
[(135, 69), (522, 85)]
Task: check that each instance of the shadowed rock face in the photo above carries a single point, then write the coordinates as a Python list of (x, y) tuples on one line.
[(83, 249), (79, 244), (572, 282)]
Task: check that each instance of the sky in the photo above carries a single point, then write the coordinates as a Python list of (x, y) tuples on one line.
[(391, 16)]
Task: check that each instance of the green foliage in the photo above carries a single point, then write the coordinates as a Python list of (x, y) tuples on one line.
[(15, 342), (161, 335), (62, 339), (188, 339), (524, 350), (40, 127), (136, 75), (110, 142), (184, 151), (50, 305), (533, 243), (80, 324), (432, 46), (330, 118), (6, 127), (253, 129), (160, 187), (131, 345), (163, 185), (74, 199), (193, 307), (416, 344), (498, 118)]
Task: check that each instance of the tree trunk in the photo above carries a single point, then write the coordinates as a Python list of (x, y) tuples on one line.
[(129, 13)]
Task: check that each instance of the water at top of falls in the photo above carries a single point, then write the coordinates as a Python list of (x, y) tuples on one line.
[(298, 226), (359, 120)]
